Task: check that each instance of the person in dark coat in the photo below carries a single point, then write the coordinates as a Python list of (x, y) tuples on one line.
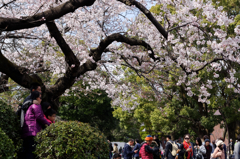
[(137, 147), (34, 87), (128, 152), (231, 147), (208, 148), (182, 153), (120, 150), (155, 138), (168, 148), (110, 149)]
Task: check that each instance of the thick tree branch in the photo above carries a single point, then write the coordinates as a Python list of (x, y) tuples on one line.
[(10, 24), (149, 15), (18, 74), (70, 57), (96, 53), (71, 74)]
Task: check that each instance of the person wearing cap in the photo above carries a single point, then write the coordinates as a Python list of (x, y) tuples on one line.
[(237, 148), (219, 151), (208, 148), (168, 148), (224, 147), (146, 152), (128, 152), (207, 137)]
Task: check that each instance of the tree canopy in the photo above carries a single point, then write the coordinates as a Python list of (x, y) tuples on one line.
[(187, 52)]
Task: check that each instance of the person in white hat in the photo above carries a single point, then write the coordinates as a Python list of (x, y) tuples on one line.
[(219, 151)]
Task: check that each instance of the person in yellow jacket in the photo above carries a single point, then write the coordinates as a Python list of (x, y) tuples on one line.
[(115, 148)]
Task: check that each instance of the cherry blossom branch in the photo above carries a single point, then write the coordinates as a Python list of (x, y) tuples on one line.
[(149, 15), (178, 27), (200, 28), (10, 24), (6, 4), (201, 68)]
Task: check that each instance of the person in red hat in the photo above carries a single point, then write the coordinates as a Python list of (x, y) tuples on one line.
[(146, 152)]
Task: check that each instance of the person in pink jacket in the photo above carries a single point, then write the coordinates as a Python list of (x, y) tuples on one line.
[(219, 151), (33, 122)]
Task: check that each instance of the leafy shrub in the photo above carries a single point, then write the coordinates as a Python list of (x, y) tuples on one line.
[(68, 140), (10, 124), (6, 146), (85, 108)]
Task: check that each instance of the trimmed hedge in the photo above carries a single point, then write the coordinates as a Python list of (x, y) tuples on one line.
[(72, 139), (6, 146), (10, 124)]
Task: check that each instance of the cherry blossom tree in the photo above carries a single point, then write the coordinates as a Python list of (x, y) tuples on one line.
[(190, 93), (200, 36), (81, 39), (39, 36)]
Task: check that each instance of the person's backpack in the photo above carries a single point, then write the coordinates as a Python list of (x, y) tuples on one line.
[(174, 148), (22, 110)]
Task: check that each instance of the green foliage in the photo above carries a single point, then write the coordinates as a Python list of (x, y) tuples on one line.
[(230, 6), (129, 126), (6, 146), (10, 124), (68, 140), (94, 108)]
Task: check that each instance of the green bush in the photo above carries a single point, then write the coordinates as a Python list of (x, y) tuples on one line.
[(10, 124), (6, 146), (85, 108), (68, 140)]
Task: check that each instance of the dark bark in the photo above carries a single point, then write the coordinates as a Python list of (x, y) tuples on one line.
[(148, 14), (96, 53), (10, 24), (70, 58), (19, 74)]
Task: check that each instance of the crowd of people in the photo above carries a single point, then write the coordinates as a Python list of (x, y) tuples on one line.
[(35, 116), (153, 148)]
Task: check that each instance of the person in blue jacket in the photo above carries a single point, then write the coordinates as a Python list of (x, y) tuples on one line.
[(128, 152), (137, 147)]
